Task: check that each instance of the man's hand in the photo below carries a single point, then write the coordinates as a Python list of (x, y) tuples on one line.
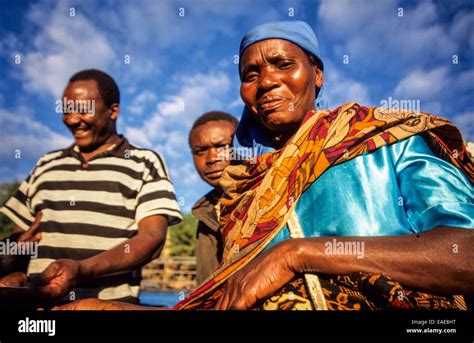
[(59, 278), (261, 278), (32, 234), (61, 275), (16, 279)]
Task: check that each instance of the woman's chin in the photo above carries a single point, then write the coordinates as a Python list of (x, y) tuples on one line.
[(278, 123)]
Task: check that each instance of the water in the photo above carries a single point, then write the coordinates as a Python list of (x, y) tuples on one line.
[(168, 299)]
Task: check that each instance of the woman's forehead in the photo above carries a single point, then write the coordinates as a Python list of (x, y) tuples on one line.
[(271, 48)]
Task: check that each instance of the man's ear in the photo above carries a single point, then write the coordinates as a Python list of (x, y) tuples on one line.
[(114, 111)]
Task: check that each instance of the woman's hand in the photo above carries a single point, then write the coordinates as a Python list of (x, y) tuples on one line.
[(91, 304), (261, 278), (102, 305)]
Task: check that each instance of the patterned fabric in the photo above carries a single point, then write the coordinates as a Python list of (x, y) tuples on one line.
[(359, 291), (399, 189), (260, 194)]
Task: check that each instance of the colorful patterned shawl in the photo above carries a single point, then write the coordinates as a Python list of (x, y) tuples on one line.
[(260, 195)]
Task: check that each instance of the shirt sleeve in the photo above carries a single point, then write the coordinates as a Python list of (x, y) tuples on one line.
[(18, 207), (435, 192), (157, 195)]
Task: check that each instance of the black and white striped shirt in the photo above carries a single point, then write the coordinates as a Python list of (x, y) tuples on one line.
[(90, 207)]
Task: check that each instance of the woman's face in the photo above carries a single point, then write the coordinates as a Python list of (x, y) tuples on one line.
[(278, 83)]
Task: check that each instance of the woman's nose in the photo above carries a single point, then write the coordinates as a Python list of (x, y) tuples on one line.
[(268, 79)]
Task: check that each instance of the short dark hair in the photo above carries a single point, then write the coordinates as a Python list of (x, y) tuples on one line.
[(212, 116), (108, 88)]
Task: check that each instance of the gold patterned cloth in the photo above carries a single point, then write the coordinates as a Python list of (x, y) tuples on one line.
[(359, 291)]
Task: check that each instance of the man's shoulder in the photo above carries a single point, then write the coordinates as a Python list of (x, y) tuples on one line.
[(144, 153), (149, 157), (52, 155), (207, 200)]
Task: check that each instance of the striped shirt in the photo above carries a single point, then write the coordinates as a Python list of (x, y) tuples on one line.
[(90, 207)]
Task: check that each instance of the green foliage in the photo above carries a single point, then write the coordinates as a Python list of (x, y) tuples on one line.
[(183, 237), (6, 191)]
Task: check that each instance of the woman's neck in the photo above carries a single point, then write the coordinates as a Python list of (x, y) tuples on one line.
[(281, 139)]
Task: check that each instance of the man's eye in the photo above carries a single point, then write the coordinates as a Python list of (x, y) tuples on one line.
[(83, 110), (199, 152)]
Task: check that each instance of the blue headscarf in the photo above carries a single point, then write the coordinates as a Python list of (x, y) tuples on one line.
[(250, 133)]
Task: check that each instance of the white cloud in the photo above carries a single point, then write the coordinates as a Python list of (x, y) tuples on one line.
[(422, 84), (347, 17), (237, 103), (465, 81), (465, 122), (462, 27), (62, 46), (174, 146), (21, 131), (141, 101), (191, 187), (435, 87), (168, 124), (192, 178), (135, 136), (167, 23), (339, 89), (372, 32)]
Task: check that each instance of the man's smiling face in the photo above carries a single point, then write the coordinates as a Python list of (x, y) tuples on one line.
[(278, 83), (90, 128)]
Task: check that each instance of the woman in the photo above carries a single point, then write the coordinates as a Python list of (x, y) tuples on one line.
[(365, 176)]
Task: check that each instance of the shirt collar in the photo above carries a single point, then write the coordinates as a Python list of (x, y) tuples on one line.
[(116, 150), (205, 211)]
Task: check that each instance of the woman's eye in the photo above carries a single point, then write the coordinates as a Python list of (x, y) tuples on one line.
[(285, 65), (250, 77)]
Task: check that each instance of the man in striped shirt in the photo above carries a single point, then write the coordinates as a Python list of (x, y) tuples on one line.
[(104, 204)]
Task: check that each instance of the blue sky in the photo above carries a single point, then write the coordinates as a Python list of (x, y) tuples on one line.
[(182, 64)]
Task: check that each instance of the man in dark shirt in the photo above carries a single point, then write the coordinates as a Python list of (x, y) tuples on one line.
[(210, 138)]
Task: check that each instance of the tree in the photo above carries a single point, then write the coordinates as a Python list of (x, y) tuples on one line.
[(182, 237), (6, 191)]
